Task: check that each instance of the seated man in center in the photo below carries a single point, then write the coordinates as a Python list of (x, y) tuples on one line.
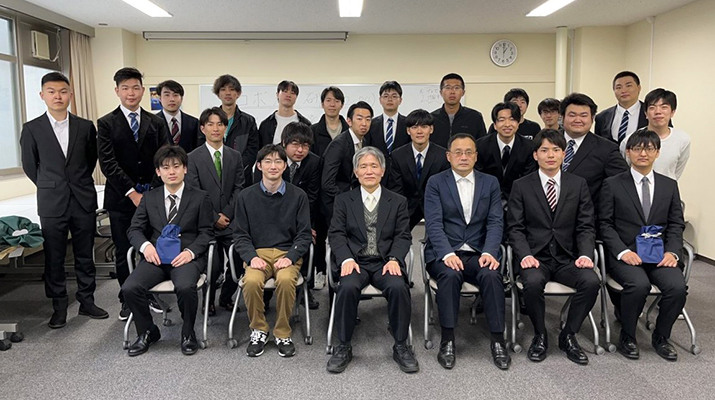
[(370, 237), (464, 224)]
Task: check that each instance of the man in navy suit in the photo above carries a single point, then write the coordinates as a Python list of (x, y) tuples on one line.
[(464, 224), (183, 128)]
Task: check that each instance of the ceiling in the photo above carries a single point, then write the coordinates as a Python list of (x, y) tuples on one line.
[(378, 17)]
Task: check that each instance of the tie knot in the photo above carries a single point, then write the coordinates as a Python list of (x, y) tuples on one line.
[(217, 154), (419, 156), (173, 119), (507, 148), (572, 142), (645, 180), (390, 120), (551, 182), (626, 113), (132, 115), (173, 198)]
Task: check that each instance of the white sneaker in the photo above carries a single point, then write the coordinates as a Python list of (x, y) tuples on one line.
[(319, 281)]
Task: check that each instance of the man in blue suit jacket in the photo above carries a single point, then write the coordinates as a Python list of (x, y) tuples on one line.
[(464, 223)]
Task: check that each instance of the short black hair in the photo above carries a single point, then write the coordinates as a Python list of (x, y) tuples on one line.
[(460, 136), (667, 96), (419, 117), (515, 111), (288, 85), (54, 77), (549, 104), (297, 132), (623, 74), (643, 138), (170, 152), (578, 99), (552, 136), (391, 85), (337, 93), (515, 93), (174, 86), (359, 104), (226, 80), (270, 149), (207, 113), (451, 75), (127, 73)]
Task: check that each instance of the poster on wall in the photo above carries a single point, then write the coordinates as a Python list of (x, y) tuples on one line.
[(155, 100)]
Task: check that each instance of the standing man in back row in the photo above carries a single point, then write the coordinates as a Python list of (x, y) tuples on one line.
[(620, 121), (183, 128), (388, 131), (452, 117), (272, 127)]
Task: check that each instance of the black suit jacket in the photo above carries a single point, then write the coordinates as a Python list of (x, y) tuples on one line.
[(321, 137), (604, 121), (466, 120), (202, 175), (194, 217), (621, 214), (595, 160), (58, 177), (268, 128), (243, 137), (531, 225), (521, 161), (189, 131), (125, 162), (337, 176), (348, 234), (377, 134), (403, 178)]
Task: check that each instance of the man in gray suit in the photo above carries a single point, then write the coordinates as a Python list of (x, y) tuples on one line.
[(218, 170)]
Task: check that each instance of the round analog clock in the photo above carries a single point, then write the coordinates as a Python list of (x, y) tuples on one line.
[(503, 52)]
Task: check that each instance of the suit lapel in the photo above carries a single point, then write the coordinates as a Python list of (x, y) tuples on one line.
[(583, 150), (658, 196), (494, 150), (540, 195), (384, 208), (183, 203), (209, 164), (517, 147), (121, 121), (359, 212), (143, 126), (52, 138), (452, 186), (630, 187), (477, 195), (160, 207), (73, 133), (565, 187)]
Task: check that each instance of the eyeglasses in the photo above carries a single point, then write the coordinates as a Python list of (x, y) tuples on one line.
[(452, 88), (460, 153), (390, 96), (648, 150)]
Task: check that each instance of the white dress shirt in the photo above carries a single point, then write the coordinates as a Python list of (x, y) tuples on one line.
[(502, 145), (634, 113), (126, 113), (212, 151), (62, 131), (423, 152), (394, 127), (577, 141), (545, 180), (168, 118)]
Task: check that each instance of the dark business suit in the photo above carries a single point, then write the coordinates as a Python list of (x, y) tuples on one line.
[(403, 177), (621, 218), (189, 130), (126, 163), (66, 201), (348, 236), (604, 121), (321, 137), (242, 136), (447, 231), (222, 192), (555, 239), (195, 218), (521, 161), (337, 176), (377, 134)]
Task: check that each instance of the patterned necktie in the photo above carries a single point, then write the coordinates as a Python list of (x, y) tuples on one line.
[(217, 163), (551, 193), (418, 167), (370, 202), (569, 155), (173, 209), (390, 138), (134, 125), (505, 156), (645, 201), (624, 126), (292, 169), (175, 134)]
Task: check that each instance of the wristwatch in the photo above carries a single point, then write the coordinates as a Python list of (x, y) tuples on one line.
[(393, 259)]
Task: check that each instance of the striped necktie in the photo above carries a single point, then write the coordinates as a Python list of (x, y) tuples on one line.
[(173, 207), (623, 128), (551, 193), (569, 155), (175, 134), (390, 138), (134, 125)]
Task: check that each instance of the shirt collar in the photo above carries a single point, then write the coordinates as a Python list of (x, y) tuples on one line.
[(354, 136), (376, 194), (469, 177), (423, 152), (126, 111), (637, 176), (212, 150), (169, 117), (53, 121), (577, 140), (281, 189), (633, 110), (178, 193), (502, 144), (545, 178), (291, 162)]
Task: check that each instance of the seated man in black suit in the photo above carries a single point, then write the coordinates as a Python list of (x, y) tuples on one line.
[(370, 238), (527, 128), (630, 200), (388, 130), (505, 154), (183, 128), (190, 209), (552, 233), (272, 234), (617, 123), (464, 220), (549, 112), (414, 163), (218, 170)]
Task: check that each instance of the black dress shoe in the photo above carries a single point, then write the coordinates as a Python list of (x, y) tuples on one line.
[(573, 351), (446, 357), (405, 358), (92, 311), (58, 319), (537, 350), (628, 347), (312, 303), (664, 348), (189, 344), (226, 305), (143, 341), (500, 355), (342, 355)]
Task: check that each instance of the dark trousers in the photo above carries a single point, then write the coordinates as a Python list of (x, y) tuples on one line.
[(119, 223), (415, 218), (321, 234), (449, 284), (147, 275), (219, 263), (55, 229), (636, 282), (394, 288), (584, 280)]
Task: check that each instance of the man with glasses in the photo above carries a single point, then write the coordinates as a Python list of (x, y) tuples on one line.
[(452, 117), (549, 113), (388, 131)]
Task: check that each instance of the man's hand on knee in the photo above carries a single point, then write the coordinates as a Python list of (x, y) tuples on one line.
[(454, 262), (258, 263), (283, 263), (348, 267)]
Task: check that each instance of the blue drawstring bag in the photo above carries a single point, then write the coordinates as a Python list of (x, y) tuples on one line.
[(649, 244), (168, 246)]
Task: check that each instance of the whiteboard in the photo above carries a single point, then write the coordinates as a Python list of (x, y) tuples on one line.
[(260, 100)]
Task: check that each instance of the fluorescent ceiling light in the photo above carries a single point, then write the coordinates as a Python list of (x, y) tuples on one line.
[(148, 8), (155, 35), (549, 8), (350, 8)]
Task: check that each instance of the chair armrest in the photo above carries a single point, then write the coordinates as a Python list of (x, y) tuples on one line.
[(131, 259), (231, 262)]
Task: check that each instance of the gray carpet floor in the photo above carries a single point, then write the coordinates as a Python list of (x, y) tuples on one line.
[(85, 359)]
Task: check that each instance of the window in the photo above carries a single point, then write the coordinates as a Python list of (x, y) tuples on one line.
[(34, 105), (9, 111)]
